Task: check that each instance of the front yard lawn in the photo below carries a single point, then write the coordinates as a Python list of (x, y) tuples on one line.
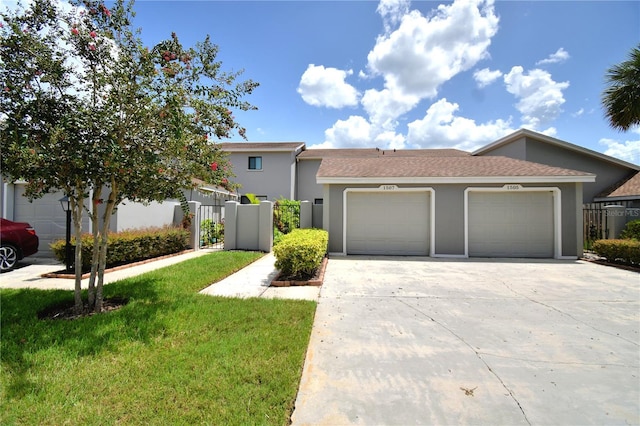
[(170, 356)]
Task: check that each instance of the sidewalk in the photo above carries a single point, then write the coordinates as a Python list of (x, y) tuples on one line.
[(251, 281)]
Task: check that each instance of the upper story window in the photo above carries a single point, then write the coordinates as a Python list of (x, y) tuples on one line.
[(255, 163)]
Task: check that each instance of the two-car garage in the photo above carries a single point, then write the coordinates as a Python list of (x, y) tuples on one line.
[(509, 221)]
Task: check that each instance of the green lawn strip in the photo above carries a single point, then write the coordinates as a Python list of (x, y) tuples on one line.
[(170, 356)]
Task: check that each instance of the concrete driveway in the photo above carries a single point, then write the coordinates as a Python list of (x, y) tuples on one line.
[(482, 341)]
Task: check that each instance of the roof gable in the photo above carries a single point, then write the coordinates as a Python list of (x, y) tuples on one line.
[(627, 189), (519, 134)]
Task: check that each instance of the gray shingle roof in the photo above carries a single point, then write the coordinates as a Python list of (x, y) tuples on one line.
[(446, 166), (627, 188)]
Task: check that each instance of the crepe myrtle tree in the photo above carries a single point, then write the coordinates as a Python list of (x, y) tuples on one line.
[(90, 110)]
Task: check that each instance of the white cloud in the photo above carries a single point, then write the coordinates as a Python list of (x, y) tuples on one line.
[(485, 76), (392, 12), (425, 52), (628, 150), (441, 128), (354, 132), (540, 97), (320, 86), (561, 55), (384, 106)]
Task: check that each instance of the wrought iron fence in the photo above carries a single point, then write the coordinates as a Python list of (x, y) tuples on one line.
[(211, 226), (286, 217), (594, 224)]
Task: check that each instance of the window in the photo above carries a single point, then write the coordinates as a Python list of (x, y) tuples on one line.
[(255, 163)]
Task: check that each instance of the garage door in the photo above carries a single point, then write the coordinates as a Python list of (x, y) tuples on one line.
[(388, 223), (44, 214), (511, 224)]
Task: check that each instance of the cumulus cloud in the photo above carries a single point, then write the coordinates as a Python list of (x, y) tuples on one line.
[(320, 86), (561, 55), (441, 128), (628, 150), (424, 52), (392, 12), (540, 97), (485, 76)]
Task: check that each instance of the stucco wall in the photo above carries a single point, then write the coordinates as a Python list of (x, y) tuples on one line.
[(275, 180), (449, 216), (308, 189)]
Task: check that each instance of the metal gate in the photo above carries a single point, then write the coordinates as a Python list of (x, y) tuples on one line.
[(286, 217), (212, 226)]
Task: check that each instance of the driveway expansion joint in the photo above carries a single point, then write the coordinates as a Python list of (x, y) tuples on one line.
[(477, 354)]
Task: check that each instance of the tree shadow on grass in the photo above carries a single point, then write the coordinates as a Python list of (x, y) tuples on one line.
[(27, 340)]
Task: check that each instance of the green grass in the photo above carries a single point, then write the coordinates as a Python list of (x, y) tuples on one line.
[(170, 356)]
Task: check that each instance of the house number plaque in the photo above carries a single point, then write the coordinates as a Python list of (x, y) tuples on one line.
[(388, 187), (513, 187)]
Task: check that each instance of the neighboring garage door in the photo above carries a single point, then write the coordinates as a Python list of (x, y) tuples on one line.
[(511, 224), (388, 223), (44, 214)]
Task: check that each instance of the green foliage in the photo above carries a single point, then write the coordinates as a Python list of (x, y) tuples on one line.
[(300, 253), (87, 108), (631, 230), (211, 231), (252, 198), (130, 246), (223, 361), (619, 251), (621, 98), (286, 215)]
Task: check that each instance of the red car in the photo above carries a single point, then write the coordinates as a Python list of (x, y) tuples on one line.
[(17, 240)]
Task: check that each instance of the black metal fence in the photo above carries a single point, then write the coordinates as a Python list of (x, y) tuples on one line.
[(211, 226), (596, 219), (286, 217)]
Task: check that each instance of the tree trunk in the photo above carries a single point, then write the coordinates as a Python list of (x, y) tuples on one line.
[(76, 209), (95, 252), (111, 204)]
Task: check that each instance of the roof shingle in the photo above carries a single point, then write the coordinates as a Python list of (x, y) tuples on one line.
[(447, 166)]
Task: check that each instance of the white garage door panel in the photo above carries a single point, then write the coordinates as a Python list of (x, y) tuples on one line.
[(511, 224), (388, 223)]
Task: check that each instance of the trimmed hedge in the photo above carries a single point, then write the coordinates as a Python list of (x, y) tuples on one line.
[(300, 252), (130, 246), (619, 251), (631, 230)]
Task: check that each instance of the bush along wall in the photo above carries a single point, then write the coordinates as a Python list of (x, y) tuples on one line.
[(130, 246), (299, 254)]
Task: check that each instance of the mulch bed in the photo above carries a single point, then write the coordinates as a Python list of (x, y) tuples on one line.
[(65, 310), (63, 273), (315, 280)]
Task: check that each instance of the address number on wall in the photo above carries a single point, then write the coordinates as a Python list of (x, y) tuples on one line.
[(388, 187), (513, 187)]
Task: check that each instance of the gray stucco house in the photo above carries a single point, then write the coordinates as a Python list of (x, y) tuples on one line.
[(521, 196)]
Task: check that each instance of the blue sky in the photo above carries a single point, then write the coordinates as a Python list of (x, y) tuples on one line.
[(421, 74)]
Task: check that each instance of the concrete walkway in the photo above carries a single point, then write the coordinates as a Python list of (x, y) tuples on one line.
[(251, 281)]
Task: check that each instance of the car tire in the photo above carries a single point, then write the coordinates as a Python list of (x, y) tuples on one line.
[(8, 258)]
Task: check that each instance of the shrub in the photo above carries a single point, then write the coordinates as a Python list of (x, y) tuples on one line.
[(211, 231), (130, 246), (619, 251), (631, 230), (300, 252)]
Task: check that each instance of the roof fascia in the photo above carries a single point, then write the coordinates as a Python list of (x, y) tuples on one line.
[(297, 149), (454, 180)]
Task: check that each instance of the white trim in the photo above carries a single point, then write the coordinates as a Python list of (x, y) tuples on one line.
[(557, 213), (455, 179), (432, 212)]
